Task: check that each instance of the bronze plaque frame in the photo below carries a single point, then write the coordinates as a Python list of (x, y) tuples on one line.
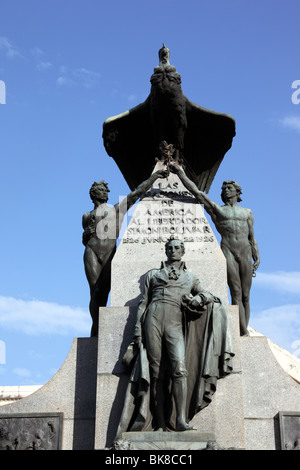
[(289, 425), (30, 431)]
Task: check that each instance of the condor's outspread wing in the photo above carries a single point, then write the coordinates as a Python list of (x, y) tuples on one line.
[(127, 139), (207, 138)]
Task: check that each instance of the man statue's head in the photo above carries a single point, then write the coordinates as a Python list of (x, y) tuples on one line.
[(174, 249), (99, 191), (229, 189)]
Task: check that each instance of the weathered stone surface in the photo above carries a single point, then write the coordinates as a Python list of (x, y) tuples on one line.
[(267, 390), (188, 440), (111, 390), (289, 362), (116, 326)]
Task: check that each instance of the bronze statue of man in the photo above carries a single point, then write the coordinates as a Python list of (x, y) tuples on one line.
[(101, 229), (182, 346), (235, 225)]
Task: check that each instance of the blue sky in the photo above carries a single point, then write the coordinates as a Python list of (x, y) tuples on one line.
[(69, 65)]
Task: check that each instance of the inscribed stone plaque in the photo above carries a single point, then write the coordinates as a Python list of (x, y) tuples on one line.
[(32, 431)]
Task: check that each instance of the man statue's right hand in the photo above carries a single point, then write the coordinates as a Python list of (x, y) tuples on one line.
[(137, 340)]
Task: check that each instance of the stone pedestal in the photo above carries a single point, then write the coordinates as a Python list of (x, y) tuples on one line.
[(268, 390), (182, 441)]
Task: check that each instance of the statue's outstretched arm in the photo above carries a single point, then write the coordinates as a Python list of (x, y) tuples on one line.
[(142, 188), (209, 205)]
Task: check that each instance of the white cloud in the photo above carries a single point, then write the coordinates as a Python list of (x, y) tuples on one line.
[(79, 76), (39, 55), (63, 70), (281, 281), (132, 98), (37, 52), (291, 122), (64, 81), (35, 317), (21, 372), (280, 324), (8, 48), (87, 78), (44, 65)]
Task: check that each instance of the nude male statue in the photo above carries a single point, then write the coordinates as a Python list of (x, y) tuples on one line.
[(235, 225), (101, 229)]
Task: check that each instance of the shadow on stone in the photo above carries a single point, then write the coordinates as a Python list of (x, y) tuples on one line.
[(116, 410), (85, 394), (120, 371)]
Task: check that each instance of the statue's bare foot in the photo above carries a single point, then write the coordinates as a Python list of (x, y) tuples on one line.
[(185, 427)]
